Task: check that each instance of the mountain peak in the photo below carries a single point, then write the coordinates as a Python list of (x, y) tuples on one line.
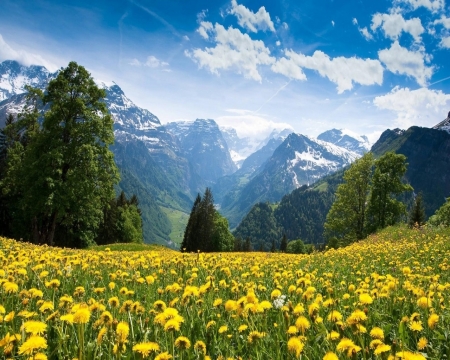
[(347, 139)]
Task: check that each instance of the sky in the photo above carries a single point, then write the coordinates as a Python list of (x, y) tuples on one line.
[(254, 65)]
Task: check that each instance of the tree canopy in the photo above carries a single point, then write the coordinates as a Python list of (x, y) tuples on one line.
[(61, 174)]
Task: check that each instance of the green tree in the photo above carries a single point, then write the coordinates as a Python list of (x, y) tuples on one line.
[(384, 209), (284, 243), (417, 213), (346, 219), (442, 215), (189, 242), (296, 247), (66, 173), (248, 245), (206, 229)]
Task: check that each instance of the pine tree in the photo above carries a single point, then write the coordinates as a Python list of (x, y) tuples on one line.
[(248, 245), (417, 214), (284, 243), (190, 238), (272, 249), (238, 244)]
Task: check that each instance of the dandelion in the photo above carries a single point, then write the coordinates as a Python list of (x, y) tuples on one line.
[(82, 316), (146, 348), (377, 333), (34, 327), (223, 329), (254, 336), (200, 346), (382, 348), (433, 320), (242, 328), (122, 332), (302, 324), (365, 299), (163, 356), (32, 344), (182, 343), (295, 346), (422, 344), (330, 356)]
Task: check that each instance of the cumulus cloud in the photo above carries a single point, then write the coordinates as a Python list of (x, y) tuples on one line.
[(250, 20), (445, 38), (233, 50), (445, 42), (394, 24), (432, 5), (400, 60), (342, 71), (422, 107), (444, 21), (23, 57), (249, 124), (151, 61)]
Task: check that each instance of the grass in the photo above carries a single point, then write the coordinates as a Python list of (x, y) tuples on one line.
[(178, 219)]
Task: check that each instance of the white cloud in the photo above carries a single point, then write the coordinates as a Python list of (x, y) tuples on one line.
[(249, 124), (185, 37), (342, 71), (422, 107), (445, 42), (151, 61), (332, 22), (250, 20), (364, 32), (355, 21), (432, 5), (278, 43), (205, 26), (400, 60), (233, 50), (394, 24), (23, 57), (445, 21)]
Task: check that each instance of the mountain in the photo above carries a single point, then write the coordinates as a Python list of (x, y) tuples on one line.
[(203, 145), (346, 139), (240, 148), (297, 161)]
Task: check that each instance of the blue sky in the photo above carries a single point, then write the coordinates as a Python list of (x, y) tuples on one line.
[(254, 65)]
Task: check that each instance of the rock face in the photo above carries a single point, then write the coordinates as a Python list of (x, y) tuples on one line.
[(203, 144), (346, 139)]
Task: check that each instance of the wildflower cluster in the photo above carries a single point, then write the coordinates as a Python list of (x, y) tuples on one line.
[(383, 298)]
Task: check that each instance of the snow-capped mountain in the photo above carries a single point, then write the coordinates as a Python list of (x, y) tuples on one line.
[(299, 160), (203, 145), (346, 139), (14, 77), (444, 125)]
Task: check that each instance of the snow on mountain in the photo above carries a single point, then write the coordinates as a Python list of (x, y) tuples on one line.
[(347, 139), (444, 125), (14, 77)]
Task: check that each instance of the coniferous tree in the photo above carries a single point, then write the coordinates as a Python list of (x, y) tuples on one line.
[(417, 213), (272, 249), (238, 244), (248, 245), (284, 243), (189, 242)]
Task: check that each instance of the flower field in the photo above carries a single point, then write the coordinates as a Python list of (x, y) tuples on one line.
[(387, 297)]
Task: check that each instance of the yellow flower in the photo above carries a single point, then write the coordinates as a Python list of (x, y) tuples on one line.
[(33, 343), (81, 316), (114, 302), (292, 330), (365, 299), (101, 334), (242, 328), (330, 356), (163, 356), (182, 343), (423, 302), (122, 332), (67, 318), (416, 326), (231, 305), (255, 335), (146, 348), (34, 327), (334, 335), (200, 346), (377, 333), (295, 346), (172, 324), (422, 344), (334, 316), (381, 349), (217, 302), (302, 324), (433, 320), (223, 329)]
